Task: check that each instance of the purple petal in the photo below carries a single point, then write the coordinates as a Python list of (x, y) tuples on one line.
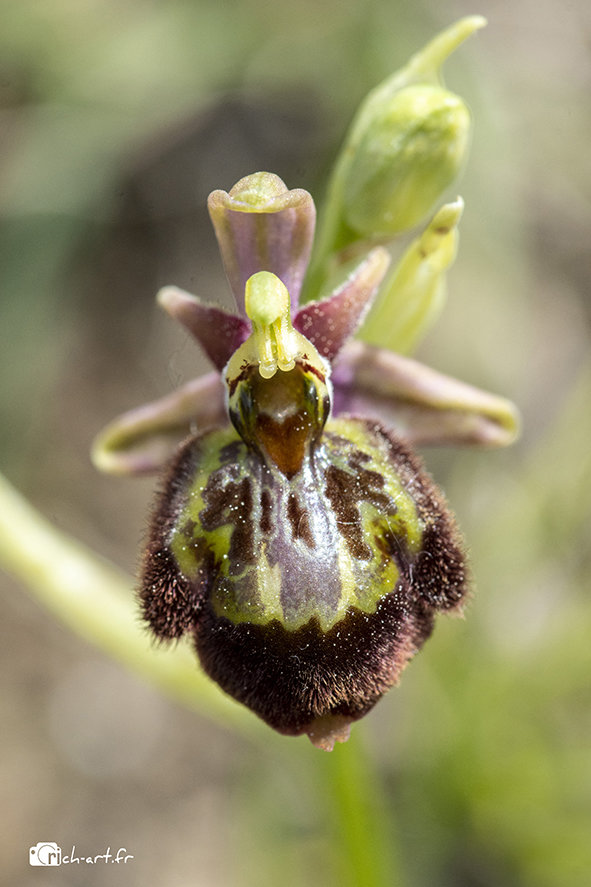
[(218, 332), (262, 226), (329, 323)]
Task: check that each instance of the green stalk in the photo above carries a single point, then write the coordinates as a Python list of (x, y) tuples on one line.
[(363, 829), (96, 600)]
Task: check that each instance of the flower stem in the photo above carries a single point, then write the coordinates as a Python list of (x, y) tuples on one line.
[(364, 832), (96, 600)]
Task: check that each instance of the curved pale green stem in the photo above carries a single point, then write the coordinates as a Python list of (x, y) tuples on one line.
[(96, 600), (362, 824)]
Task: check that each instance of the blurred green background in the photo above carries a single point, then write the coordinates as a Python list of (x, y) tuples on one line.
[(117, 119)]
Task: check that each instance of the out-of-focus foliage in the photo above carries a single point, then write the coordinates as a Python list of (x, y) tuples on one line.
[(116, 120)]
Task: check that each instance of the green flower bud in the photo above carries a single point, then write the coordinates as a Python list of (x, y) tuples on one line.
[(406, 145), (411, 152)]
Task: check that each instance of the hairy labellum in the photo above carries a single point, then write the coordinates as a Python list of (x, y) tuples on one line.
[(307, 555)]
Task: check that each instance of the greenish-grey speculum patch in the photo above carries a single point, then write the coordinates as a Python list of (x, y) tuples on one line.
[(336, 535)]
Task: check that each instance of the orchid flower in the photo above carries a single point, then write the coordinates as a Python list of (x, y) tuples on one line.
[(296, 535)]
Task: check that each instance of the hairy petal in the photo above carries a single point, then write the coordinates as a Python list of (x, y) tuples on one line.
[(307, 592), (218, 332), (330, 322)]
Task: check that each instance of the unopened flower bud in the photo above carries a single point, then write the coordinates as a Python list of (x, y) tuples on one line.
[(411, 152), (406, 145), (414, 293)]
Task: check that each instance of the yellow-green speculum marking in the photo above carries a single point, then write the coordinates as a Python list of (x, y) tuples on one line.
[(298, 516)]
